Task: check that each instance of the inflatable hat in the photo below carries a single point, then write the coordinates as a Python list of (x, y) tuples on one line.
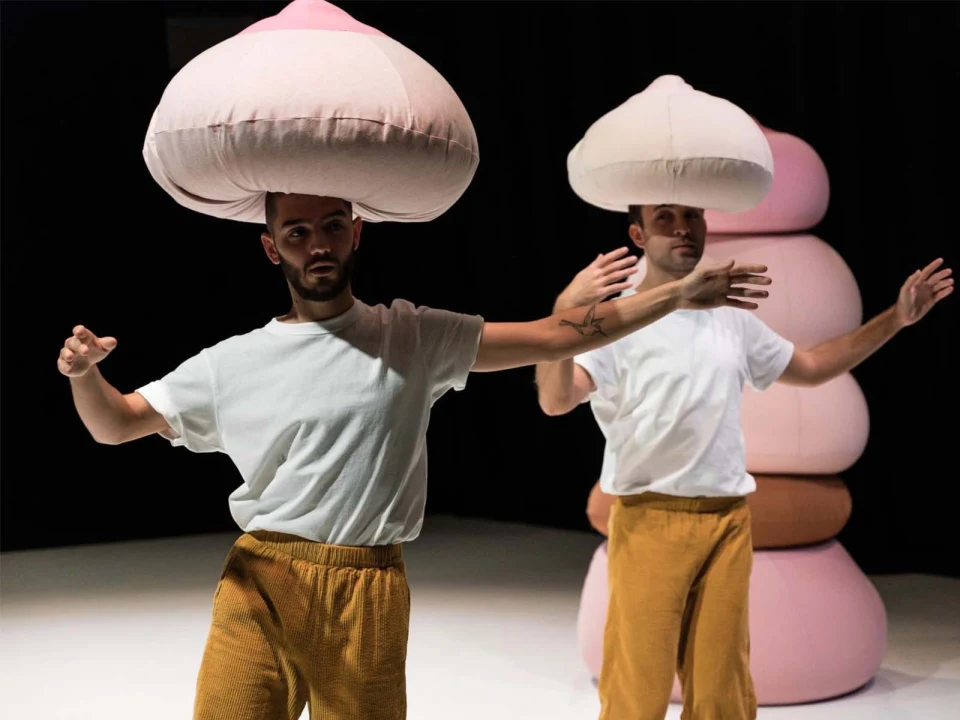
[(311, 101), (671, 144)]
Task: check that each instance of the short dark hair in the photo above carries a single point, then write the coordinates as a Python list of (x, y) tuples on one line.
[(635, 213), (270, 208)]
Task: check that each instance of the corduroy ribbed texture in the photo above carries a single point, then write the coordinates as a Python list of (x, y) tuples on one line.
[(296, 621), (679, 586)]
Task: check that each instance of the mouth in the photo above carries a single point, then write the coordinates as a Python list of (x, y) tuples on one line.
[(322, 269), (686, 247)]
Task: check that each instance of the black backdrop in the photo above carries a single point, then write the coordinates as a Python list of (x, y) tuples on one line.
[(87, 237)]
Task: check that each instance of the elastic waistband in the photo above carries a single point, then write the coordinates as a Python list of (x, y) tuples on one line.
[(659, 501), (266, 542)]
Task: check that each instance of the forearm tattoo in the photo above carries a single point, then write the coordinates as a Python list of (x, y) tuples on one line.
[(590, 324)]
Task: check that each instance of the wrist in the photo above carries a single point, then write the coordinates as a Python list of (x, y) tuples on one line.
[(674, 293), (894, 319)]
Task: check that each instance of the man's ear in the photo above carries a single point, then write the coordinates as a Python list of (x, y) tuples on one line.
[(637, 236), (270, 248), (357, 227)]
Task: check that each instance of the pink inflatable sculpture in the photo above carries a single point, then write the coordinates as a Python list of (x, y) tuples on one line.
[(817, 624)]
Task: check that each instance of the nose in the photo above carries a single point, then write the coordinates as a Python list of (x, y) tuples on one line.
[(682, 231), (321, 247)]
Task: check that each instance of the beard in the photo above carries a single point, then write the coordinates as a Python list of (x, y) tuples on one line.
[(319, 289)]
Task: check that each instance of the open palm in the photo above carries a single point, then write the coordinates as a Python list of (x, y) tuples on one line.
[(922, 290)]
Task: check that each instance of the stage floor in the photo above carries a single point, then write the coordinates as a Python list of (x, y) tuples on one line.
[(117, 631)]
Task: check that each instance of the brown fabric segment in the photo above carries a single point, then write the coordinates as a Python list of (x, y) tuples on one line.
[(790, 511)]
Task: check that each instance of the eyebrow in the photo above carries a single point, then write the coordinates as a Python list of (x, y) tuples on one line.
[(306, 221)]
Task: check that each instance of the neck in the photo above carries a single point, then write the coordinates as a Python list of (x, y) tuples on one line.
[(313, 310), (656, 277)]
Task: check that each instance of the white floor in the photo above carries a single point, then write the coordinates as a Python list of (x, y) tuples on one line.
[(111, 632)]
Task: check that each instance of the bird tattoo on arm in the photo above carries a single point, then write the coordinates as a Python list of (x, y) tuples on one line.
[(590, 324)]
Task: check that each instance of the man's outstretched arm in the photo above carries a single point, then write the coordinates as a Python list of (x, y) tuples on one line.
[(820, 364), (111, 417), (564, 334)]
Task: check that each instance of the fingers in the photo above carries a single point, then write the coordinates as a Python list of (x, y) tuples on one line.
[(742, 304), (605, 260), (748, 269), (620, 287), (718, 268), (69, 363), (744, 292), (83, 335), (912, 280), (750, 279), (941, 294), (76, 346), (937, 277), (928, 270), (617, 276), (629, 262)]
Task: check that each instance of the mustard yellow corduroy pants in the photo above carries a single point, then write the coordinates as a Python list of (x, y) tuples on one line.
[(297, 621), (679, 572)]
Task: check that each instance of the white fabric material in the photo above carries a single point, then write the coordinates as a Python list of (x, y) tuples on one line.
[(668, 401), (326, 421), (329, 113), (671, 144)]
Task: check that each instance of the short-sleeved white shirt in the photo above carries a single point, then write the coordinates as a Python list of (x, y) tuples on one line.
[(668, 401), (326, 421)]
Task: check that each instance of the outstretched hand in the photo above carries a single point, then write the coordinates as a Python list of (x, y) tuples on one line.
[(714, 286), (922, 290), (82, 351), (606, 275)]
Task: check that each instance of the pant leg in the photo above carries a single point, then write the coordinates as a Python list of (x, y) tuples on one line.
[(245, 673), (715, 656), (654, 554), (357, 669), (342, 622)]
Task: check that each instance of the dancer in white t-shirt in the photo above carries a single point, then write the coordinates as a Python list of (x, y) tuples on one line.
[(324, 411), (667, 399)]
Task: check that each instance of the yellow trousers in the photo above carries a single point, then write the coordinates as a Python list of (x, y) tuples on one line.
[(679, 573), (297, 621)]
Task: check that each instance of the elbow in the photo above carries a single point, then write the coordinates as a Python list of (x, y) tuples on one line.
[(105, 439), (553, 408), (110, 436)]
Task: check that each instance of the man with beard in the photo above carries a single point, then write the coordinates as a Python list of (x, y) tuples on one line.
[(324, 411), (667, 399)]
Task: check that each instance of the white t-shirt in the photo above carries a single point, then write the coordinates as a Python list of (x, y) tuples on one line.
[(326, 421), (668, 401)]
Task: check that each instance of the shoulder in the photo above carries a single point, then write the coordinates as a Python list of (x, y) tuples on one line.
[(423, 314)]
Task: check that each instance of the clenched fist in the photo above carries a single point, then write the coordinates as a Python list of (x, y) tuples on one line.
[(82, 351)]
